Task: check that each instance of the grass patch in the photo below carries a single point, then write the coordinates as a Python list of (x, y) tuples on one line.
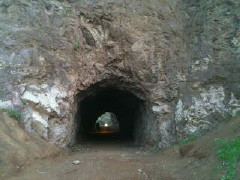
[(236, 114), (75, 45), (24, 101), (187, 140), (13, 113), (154, 149), (228, 151)]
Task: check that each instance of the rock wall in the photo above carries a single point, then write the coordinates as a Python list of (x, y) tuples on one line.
[(19, 148), (211, 92), (180, 56)]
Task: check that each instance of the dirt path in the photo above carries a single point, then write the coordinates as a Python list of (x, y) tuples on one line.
[(118, 161), (97, 161), (114, 160), (122, 161)]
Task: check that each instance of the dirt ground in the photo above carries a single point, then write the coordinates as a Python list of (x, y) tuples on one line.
[(104, 161), (114, 160)]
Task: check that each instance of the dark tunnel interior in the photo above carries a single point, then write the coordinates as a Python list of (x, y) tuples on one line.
[(93, 103)]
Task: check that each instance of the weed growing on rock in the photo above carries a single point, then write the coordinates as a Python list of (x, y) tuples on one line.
[(13, 113), (24, 101), (187, 140), (228, 151), (75, 45)]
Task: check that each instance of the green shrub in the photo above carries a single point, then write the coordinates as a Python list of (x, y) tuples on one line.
[(187, 140), (228, 151), (75, 45), (13, 113), (24, 101)]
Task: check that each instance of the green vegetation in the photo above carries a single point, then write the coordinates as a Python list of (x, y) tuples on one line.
[(75, 45), (228, 151), (187, 140), (24, 101), (65, 11), (155, 149), (236, 114), (13, 113)]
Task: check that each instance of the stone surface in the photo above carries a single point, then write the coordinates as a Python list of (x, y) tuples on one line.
[(76, 162), (18, 148), (180, 56)]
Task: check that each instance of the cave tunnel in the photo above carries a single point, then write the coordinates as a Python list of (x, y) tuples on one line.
[(96, 101)]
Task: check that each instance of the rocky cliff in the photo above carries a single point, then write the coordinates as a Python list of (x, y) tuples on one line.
[(181, 57)]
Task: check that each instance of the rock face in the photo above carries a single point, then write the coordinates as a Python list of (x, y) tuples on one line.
[(18, 148), (181, 57)]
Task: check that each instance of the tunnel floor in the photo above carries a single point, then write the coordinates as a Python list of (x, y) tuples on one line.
[(96, 101)]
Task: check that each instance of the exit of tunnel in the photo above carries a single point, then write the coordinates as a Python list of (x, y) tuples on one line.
[(125, 111)]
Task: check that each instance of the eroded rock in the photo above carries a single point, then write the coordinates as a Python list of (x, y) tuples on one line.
[(179, 57)]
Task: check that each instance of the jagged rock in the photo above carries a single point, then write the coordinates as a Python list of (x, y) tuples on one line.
[(18, 148), (180, 57)]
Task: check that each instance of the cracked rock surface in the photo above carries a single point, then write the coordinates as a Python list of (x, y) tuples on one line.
[(181, 57)]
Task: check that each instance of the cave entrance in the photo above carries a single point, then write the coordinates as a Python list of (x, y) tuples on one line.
[(122, 110)]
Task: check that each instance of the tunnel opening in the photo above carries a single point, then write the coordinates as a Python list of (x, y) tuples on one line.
[(127, 110), (107, 123)]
